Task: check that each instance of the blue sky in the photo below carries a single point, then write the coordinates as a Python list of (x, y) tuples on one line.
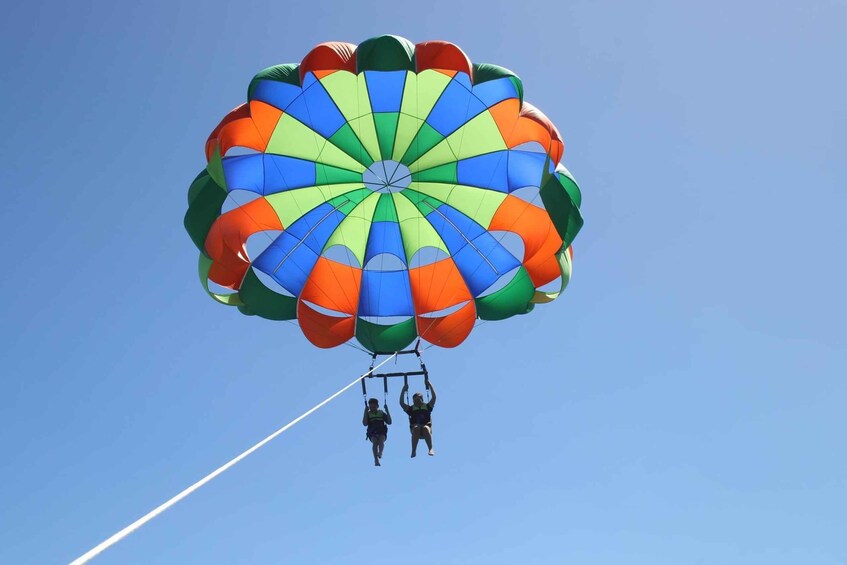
[(682, 403)]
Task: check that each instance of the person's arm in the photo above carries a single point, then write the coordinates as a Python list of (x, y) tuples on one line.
[(431, 403), (387, 415), (365, 417), (403, 404)]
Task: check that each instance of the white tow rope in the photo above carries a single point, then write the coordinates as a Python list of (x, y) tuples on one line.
[(95, 551)]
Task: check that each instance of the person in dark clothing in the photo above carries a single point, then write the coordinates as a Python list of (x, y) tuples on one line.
[(377, 422), (420, 419)]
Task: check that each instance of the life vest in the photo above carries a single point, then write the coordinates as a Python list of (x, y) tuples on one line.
[(419, 415), (376, 424)]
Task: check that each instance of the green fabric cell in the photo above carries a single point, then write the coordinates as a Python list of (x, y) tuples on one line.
[(424, 140), (512, 299), (327, 174), (288, 73), (385, 53), (376, 337), (347, 140), (259, 300), (485, 72), (205, 201), (385, 210), (563, 212), (386, 130), (443, 173)]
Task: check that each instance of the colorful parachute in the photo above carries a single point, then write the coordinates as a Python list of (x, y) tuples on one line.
[(383, 192)]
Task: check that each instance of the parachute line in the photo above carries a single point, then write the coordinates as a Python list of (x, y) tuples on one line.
[(95, 551)]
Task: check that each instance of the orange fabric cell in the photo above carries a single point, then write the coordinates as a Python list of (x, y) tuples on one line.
[(448, 331), (506, 115), (241, 133), (331, 56), (226, 240), (322, 330), (334, 286), (441, 55), (528, 130), (521, 124), (265, 117), (437, 286), (544, 267), (541, 240), (556, 145), (238, 113)]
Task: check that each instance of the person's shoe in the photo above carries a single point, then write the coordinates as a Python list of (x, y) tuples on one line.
[(431, 452), (377, 463), (413, 454)]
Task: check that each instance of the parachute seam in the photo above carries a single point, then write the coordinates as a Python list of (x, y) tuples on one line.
[(264, 196), (499, 241), (450, 256), (346, 121)]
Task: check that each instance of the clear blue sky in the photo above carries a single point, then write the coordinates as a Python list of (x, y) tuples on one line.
[(683, 403)]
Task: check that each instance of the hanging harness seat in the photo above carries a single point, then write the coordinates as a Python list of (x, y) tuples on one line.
[(376, 424)]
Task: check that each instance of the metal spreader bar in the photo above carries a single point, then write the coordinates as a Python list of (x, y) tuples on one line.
[(405, 374)]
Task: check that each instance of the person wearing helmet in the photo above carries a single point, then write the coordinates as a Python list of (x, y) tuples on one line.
[(377, 422), (420, 419)]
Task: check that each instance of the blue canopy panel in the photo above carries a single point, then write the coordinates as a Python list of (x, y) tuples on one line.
[(483, 261), (277, 94), (456, 106), (463, 79), (480, 258), (385, 89), (485, 171), (316, 109), (495, 91), (316, 226), (292, 256), (266, 173), (527, 168), (454, 228), (287, 262), (384, 237), (385, 294)]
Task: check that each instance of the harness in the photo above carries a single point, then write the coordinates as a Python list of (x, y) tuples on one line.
[(376, 424), (419, 415)]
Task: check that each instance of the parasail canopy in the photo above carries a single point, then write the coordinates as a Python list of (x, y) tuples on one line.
[(384, 192)]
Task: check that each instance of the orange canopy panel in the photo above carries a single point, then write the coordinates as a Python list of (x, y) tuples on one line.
[(450, 330), (249, 126), (226, 240), (334, 286), (324, 330), (541, 240), (437, 286)]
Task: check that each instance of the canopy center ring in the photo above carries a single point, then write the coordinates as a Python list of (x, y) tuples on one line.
[(387, 176)]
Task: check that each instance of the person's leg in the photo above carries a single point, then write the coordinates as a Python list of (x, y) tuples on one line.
[(374, 448), (426, 432), (380, 446), (416, 436)]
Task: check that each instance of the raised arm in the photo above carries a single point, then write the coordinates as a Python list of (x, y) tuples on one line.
[(431, 403), (403, 404), (365, 417), (387, 415)]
